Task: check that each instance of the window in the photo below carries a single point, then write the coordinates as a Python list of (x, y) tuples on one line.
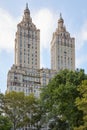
[(20, 44), (28, 45), (20, 53)]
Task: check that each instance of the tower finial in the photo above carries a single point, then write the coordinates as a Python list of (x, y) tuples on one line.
[(60, 15), (26, 5)]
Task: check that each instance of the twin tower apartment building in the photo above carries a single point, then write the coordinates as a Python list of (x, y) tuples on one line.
[(25, 75)]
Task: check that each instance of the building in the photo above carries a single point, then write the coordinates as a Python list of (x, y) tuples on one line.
[(27, 43), (62, 48), (46, 75), (25, 75), (22, 79)]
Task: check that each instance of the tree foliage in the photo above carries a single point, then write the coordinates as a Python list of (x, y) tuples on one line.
[(81, 103), (5, 123), (21, 110), (1, 103), (34, 112), (14, 108), (58, 98)]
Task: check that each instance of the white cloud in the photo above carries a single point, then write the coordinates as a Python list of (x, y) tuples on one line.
[(7, 31), (81, 36), (81, 41), (46, 22)]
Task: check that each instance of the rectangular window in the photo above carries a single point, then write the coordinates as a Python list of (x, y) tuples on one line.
[(28, 45)]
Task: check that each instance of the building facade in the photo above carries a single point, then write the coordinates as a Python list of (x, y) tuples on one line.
[(28, 80), (27, 43), (25, 75), (22, 79), (62, 48)]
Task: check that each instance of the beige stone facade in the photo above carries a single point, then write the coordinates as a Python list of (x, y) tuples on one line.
[(27, 43), (25, 75), (22, 79), (62, 48), (28, 80), (46, 75)]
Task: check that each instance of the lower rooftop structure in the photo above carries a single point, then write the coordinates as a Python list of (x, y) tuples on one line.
[(28, 80)]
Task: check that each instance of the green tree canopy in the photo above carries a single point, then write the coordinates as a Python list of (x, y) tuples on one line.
[(34, 111), (14, 108), (1, 103), (22, 110), (81, 103), (58, 97), (5, 123)]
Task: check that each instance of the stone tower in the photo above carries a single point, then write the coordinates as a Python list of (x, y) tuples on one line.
[(27, 43), (24, 75), (62, 48)]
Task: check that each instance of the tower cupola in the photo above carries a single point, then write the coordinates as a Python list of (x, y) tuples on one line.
[(26, 13), (60, 22)]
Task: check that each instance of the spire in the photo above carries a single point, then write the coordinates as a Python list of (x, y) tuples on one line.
[(27, 9), (60, 16), (60, 22), (26, 5), (60, 19), (26, 16)]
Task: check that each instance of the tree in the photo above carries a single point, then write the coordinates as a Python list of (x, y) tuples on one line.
[(58, 124), (34, 112), (1, 103), (22, 110), (81, 103), (58, 97), (14, 108), (5, 123)]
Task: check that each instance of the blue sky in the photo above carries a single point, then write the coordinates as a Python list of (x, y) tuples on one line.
[(45, 14)]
